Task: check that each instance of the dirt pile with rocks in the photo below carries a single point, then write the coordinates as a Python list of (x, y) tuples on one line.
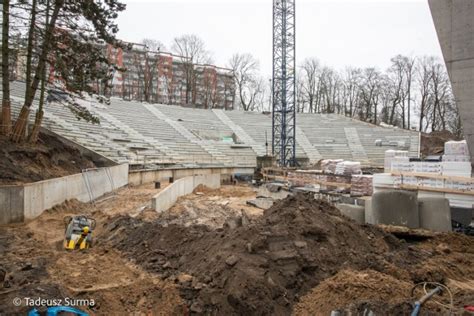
[(263, 266)]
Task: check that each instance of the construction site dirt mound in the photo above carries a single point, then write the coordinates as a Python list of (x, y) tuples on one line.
[(263, 266), (49, 158), (370, 288), (433, 143), (298, 251)]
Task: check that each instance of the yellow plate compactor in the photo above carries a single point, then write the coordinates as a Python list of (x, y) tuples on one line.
[(78, 232)]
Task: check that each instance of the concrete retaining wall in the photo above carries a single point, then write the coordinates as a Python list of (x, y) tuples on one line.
[(137, 177), (18, 203), (11, 204), (168, 197)]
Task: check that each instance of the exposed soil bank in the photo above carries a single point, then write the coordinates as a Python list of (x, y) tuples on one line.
[(49, 158)]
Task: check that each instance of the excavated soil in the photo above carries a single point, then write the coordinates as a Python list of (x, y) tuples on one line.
[(433, 143), (301, 256), (35, 264), (368, 287), (49, 158), (264, 266)]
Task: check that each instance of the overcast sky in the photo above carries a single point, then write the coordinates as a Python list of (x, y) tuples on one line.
[(339, 33)]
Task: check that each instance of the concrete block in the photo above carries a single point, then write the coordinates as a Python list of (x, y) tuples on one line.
[(435, 214), (355, 212), (395, 207)]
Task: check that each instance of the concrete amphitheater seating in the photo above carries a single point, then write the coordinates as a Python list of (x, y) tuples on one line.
[(141, 133)]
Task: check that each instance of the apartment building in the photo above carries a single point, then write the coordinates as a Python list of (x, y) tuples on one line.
[(160, 77)]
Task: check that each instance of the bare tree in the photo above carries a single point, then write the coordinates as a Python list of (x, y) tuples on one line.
[(351, 90), (409, 63), (193, 51), (248, 83), (441, 90), (423, 81), (310, 83), (369, 90)]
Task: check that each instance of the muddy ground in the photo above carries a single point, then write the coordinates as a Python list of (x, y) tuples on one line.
[(49, 158), (301, 256)]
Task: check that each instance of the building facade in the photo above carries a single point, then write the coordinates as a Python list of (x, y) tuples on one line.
[(159, 77)]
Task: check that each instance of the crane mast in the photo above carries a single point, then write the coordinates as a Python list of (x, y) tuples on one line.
[(284, 83)]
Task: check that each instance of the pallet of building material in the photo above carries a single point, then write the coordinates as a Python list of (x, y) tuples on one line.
[(456, 158), (463, 186), (457, 148), (391, 154), (348, 168), (459, 169), (329, 165), (326, 180), (401, 164), (361, 185)]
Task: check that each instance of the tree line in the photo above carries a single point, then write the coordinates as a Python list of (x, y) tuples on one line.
[(413, 93)]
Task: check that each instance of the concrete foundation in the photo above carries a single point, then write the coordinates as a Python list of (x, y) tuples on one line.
[(395, 207), (137, 177), (435, 214), (355, 212), (168, 197), (22, 202)]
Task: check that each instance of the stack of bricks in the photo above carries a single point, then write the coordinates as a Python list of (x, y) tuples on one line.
[(361, 185)]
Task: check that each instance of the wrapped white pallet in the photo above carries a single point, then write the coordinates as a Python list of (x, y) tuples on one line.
[(329, 165), (390, 155), (456, 169), (348, 168), (427, 167), (456, 148), (400, 164), (384, 180), (456, 158)]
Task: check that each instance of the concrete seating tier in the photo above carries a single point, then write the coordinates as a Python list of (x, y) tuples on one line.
[(141, 133)]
